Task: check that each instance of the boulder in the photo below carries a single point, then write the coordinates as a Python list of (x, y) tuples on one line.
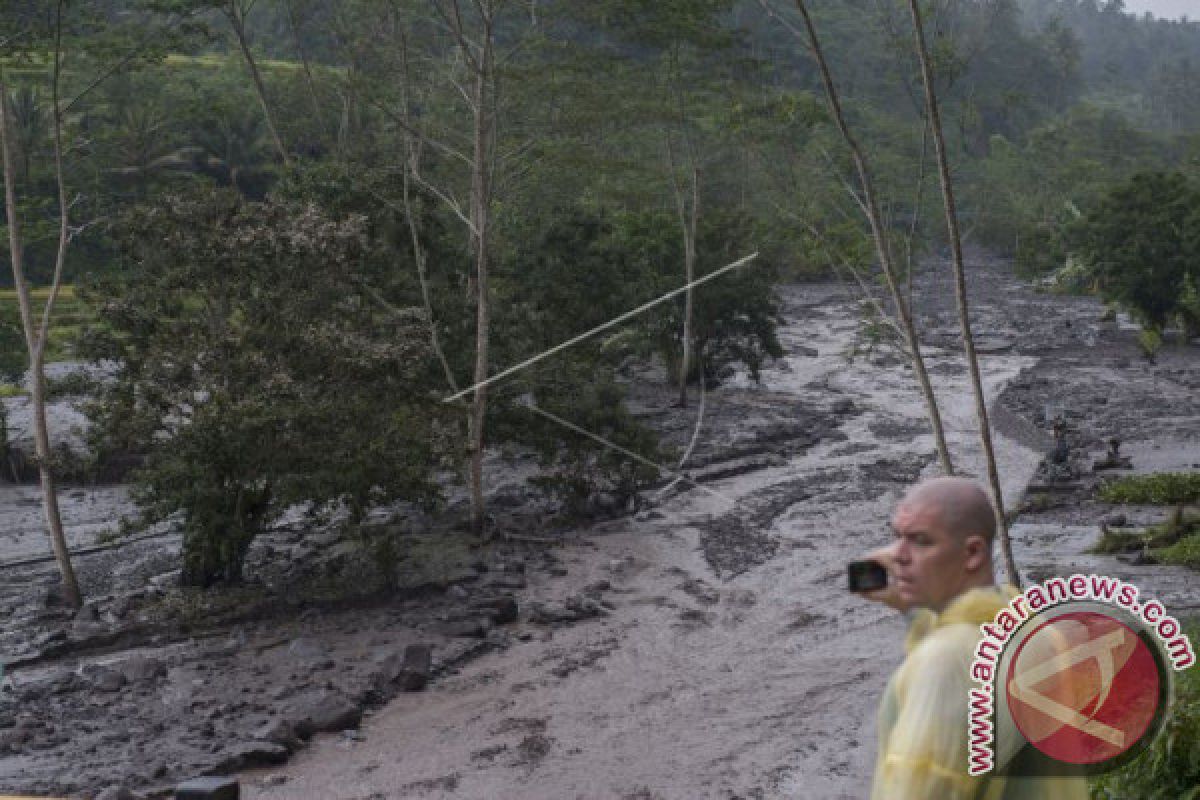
[(323, 712)]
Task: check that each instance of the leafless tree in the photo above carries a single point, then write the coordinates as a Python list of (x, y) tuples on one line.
[(960, 287), (869, 203), (37, 332)]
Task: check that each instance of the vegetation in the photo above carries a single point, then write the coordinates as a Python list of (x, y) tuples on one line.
[(634, 145), (247, 343), (1161, 488)]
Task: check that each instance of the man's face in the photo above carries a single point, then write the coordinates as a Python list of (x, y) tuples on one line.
[(930, 561)]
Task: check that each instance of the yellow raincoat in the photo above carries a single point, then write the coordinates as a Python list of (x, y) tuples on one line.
[(923, 716)]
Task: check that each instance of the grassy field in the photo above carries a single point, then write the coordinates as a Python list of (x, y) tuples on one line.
[(68, 319)]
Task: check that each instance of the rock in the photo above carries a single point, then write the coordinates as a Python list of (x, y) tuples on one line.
[(457, 592), (549, 613), (115, 793), (305, 649), (500, 610), (843, 406), (469, 627), (410, 671), (142, 669), (506, 581), (214, 788), (103, 678), (251, 754), (323, 712), (808, 352), (1115, 521), (585, 607), (279, 732)]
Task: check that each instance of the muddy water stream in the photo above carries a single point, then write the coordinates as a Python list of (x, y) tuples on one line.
[(700, 684)]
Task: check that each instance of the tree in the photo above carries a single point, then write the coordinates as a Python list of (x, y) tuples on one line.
[(960, 289), (256, 371), (37, 332), (1140, 242), (869, 203)]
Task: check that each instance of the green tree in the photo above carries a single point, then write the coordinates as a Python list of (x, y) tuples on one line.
[(257, 372), (1139, 243)]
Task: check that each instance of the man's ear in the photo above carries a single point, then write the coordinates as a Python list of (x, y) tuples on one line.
[(978, 552)]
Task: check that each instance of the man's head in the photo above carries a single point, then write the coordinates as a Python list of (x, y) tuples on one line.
[(944, 529)]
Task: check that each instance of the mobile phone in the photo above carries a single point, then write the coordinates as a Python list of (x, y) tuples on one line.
[(866, 576)]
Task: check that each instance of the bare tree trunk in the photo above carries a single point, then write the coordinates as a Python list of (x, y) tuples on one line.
[(35, 339), (480, 222), (237, 21), (879, 233), (412, 170), (689, 214), (689, 272), (314, 98), (960, 287)]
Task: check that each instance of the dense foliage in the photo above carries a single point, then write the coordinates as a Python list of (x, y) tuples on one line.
[(256, 372)]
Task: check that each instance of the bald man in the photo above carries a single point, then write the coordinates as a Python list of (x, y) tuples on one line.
[(940, 564)]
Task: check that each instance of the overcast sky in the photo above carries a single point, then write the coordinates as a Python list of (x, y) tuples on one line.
[(1166, 8)]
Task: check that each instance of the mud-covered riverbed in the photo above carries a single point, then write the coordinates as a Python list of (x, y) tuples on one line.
[(703, 647)]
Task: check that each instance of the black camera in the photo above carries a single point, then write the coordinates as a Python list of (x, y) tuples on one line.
[(866, 576)]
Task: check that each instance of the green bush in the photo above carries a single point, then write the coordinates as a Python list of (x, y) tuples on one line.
[(1160, 488), (1169, 769), (255, 373)]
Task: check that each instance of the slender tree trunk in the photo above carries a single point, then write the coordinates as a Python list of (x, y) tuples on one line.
[(689, 272), (879, 233), (238, 22), (35, 338), (960, 287), (480, 221), (309, 80)]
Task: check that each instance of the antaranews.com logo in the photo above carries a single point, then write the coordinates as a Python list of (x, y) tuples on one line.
[(1076, 667)]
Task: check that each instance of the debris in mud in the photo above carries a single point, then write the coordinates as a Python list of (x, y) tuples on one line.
[(532, 750), (446, 783)]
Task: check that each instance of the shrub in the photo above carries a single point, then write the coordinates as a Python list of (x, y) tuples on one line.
[(255, 373), (1160, 488)]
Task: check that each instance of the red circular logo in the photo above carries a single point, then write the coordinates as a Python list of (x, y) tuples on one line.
[(1083, 688)]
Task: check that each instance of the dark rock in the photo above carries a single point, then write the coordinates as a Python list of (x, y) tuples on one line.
[(506, 581), (500, 610), (279, 732), (141, 669), (1116, 520), (251, 754), (843, 406), (102, 678), (469, 627), (550, 613), (809, 352), (409, 671), (585, 607), (323, 712), (213, 788)]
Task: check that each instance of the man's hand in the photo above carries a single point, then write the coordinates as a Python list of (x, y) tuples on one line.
[(889, 595)]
